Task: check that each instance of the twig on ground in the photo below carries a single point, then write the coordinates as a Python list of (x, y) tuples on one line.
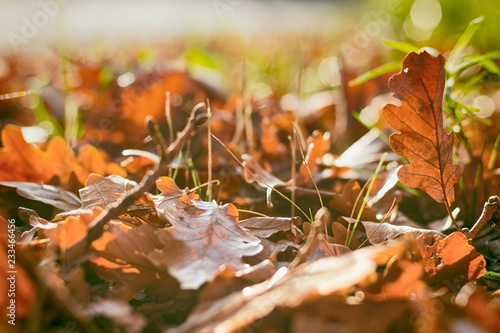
[(490, 208), (79, 251)]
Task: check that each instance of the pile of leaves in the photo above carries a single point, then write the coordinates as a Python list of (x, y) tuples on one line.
[(193, 229)]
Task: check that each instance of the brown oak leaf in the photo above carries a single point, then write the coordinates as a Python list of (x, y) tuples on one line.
[(203, 237), (122, 258), (422, 138)]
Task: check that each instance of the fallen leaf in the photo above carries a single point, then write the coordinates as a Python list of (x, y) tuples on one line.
[(286, 289), (451, 257), (227, 280), (48, 194), (344, 202), (21, 161), (121, 257), (318, 145), (484, 310), (422, 138), (264, 227), (379, 233), (68, 232), (101, 191), (204, 236), (91, 160)]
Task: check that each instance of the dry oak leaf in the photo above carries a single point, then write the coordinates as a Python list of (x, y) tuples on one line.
[(21, 161), (422, 138), (48, 194), (203, 237), (122, 258), (264, 227), (68, 232), (451, 256), (379, 233), (345, 201), (101, 191)]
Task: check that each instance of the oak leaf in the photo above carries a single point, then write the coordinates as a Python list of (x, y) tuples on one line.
[(451, 256), (203, 237), (379, 233), (122, 258), (345, 202), (69, 231), (48, 194), (264, 227), (422, 138), (21, 161), (101, 191)]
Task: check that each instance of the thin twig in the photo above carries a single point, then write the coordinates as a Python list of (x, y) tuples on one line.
[(490, 208), (307, 164), (209, 132), (79, 251)]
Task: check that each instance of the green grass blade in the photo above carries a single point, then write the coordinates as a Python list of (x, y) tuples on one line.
[(367, 195), (386, 68), (401, 46), (464, 40)]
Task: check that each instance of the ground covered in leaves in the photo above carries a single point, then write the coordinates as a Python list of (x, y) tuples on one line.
[(154, 199)]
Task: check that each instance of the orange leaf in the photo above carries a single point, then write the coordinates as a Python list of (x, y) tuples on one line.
[(68, 232), (422, 138), (21, 161)]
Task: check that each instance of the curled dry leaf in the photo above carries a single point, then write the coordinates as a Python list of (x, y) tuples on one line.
[(379, 233), (101, 191), (278, 235), (204, 236), (264, 227), (422, 138), (48, 194), (450, 257)]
